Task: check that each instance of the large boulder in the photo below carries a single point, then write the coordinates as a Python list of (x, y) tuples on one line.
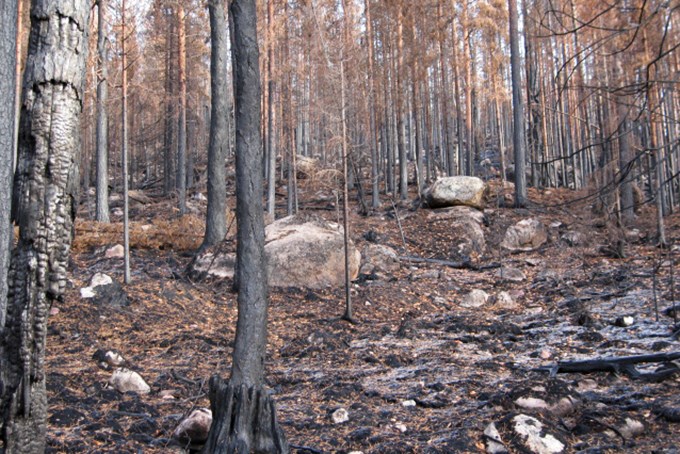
[(302, 251), (526, 235), (460, 190), (308, 252)]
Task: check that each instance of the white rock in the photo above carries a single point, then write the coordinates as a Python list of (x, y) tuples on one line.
[(494, 444), (531, 432), (400, 427), (87, 292), (408, 403), (195, 427), (475, 298), (531, 403), (631, 428), (100, 279), (115, 252), (339, 416), (124, 380)]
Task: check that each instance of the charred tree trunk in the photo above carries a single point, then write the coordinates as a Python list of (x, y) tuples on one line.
[(181, 180), (44, 208), (517, 115), (8, 24), (102, 208), (216, 222), (245, 419)]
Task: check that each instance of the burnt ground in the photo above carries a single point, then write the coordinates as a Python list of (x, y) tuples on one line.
[(417, 373)]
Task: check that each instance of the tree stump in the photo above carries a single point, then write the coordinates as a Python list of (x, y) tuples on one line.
[(244, 420)]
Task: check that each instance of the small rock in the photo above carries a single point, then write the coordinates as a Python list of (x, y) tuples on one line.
[(511, 274), (124, 380), (54, 310), (424, 274), (631, 428), (195, 428), (168, 394), (100, 279), (475, 298), (531, 434), (494, 444), (400, 427), (115, 252), (87, 292), (109, 359), (573, 239), (545, 354), (531, 403), (339, 416), (408, 403), (624, 321)]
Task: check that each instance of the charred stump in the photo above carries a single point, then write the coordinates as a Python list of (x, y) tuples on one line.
[(245, 420)]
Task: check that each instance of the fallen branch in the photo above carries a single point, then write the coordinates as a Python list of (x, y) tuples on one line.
[(625, 364), (460, 265)]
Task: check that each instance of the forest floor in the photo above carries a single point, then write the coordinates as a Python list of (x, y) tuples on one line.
[(417, 373)]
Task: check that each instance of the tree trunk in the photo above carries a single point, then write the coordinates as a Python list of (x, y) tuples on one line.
[(124, 121), (373, 133), (44, 208), (181, 182), (8, 33), (102, 205), (517, 117), (216, 221), (245, 420)]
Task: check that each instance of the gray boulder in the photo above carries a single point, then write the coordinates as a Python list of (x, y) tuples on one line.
[(301, 252), (379, 259), (459, 190), (526, 235)]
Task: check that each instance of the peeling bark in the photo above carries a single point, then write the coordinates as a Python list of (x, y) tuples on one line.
[(44, 208)]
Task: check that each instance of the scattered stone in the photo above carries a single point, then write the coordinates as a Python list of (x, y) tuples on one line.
[(624, 321), (54, 310), (339, 416), (379, 259), (424, 274), (195, 428), (631, 428), (306, 166), (98, 280), (124, 380), (221, 266), (199, 197), (573, 239), (545, 354), (168, 394), (531, 403), (505, 300), (109, 359), (526, 235), (401, 427), (511, 274), (115, 252), (532, 437), (408, 403), (459, 190), (475, 298), (494, 444)]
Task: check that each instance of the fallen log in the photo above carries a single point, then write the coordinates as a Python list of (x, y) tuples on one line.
[(459, 265), (623, 364)]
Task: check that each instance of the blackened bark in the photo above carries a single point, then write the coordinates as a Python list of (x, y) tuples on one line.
[(44, 208), (8, 24), (517, 111), (181, 180), (216, 222), (244, 412), (102, 210)]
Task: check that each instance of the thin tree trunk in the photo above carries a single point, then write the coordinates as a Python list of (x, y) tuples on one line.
[(45, 199), (102, 205), (181, 182), (126, 199), (216, 221), (373, 133), (518, 117), (8, 43)]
